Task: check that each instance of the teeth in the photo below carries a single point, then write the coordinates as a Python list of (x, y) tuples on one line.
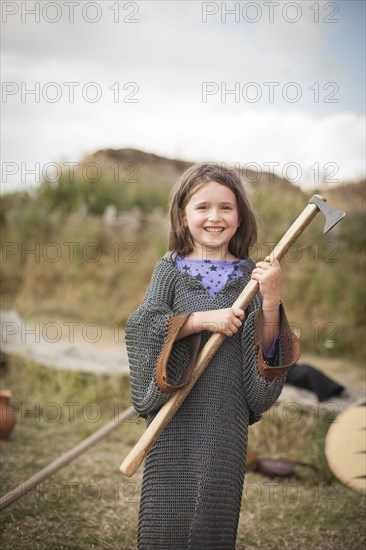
[(214, 229)]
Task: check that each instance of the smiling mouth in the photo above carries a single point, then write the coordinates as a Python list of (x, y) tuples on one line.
[(214, 229)]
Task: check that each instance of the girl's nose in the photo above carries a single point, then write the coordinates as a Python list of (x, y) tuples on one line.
[(213, 216)]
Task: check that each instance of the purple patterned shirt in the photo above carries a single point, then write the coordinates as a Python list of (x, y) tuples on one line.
[(213, 276)]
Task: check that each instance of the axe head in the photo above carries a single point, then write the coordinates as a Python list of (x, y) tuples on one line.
[(332, 215)]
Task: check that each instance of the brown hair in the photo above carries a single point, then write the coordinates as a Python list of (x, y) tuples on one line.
[(180, 239)]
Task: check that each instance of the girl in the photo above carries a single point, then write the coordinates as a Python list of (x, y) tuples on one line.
[(194, 473)]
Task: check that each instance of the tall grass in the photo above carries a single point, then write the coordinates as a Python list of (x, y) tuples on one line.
[(53, 265)]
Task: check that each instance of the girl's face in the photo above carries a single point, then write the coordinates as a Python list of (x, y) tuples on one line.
[(212, 218)]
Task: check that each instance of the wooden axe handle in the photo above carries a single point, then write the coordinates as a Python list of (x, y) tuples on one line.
[(167, 411)]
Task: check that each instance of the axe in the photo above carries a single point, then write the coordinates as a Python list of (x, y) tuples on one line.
[(167, 411)]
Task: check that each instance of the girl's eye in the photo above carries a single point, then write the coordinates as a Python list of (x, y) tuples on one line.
[(205, 207)]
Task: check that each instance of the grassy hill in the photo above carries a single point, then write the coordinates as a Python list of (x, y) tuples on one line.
[(61, 261)]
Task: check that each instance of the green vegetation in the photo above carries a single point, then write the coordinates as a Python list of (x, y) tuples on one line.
[(90, 504), (61, 262)]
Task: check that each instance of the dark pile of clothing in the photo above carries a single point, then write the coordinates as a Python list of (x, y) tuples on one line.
[(307, 377)]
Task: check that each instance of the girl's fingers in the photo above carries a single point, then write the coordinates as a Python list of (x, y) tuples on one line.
[(267, 263), (263, 269), (233, 328), (257, 274), (239, 313), (264, 265), (272, 261)]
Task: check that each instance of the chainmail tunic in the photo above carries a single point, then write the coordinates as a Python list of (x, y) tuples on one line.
[(194, 473)]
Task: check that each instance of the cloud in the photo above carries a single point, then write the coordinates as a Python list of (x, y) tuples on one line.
[(171, 37), (169, 54), (188, 130)]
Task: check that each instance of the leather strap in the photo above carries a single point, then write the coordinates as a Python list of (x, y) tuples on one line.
[(161, 376), (290, 345)]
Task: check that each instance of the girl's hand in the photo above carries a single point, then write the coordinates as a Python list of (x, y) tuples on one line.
[(227, 321), (268, 275)]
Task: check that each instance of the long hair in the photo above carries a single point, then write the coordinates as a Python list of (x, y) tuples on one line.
[(180, 239)]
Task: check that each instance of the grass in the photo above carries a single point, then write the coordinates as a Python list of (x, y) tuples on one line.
[(90, 505), (82, 270)]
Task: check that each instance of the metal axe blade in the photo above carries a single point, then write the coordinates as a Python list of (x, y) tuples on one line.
[(332, 215)]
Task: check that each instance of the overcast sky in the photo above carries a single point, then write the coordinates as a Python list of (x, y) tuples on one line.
[(157, 76)]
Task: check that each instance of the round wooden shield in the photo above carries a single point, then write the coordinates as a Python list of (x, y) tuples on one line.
[(345, 446)]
